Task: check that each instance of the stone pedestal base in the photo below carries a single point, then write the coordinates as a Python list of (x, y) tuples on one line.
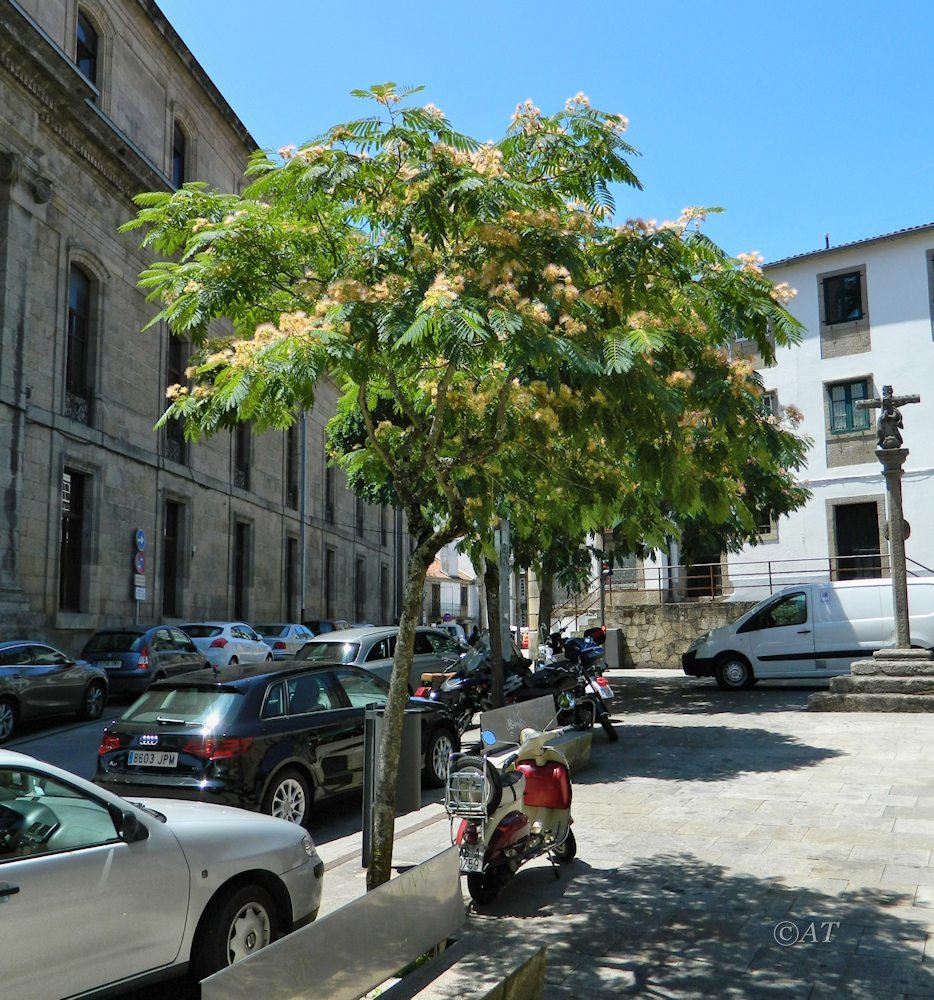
[(894, 680)]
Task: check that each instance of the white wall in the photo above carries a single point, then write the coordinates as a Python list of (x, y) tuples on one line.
[(901, 355)]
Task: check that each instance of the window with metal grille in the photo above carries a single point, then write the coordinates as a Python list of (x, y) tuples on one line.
[(72, 550)]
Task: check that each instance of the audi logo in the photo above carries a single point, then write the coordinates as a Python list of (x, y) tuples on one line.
[(148, 741)]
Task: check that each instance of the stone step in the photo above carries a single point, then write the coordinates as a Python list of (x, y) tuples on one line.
[(830, 702), (895, 667), (883, 684)]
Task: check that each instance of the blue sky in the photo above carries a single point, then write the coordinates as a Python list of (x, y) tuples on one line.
[(800, 118)]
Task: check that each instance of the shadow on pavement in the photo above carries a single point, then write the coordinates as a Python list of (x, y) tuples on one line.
[(673, 925), (688, 695), (699, 753)]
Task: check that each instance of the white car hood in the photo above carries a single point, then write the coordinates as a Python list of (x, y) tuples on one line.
[(215, 835)]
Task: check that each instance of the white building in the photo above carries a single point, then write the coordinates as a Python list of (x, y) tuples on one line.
[(868, 310), (451, 588)]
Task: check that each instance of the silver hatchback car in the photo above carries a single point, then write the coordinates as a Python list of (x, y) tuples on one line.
[(374, 648)]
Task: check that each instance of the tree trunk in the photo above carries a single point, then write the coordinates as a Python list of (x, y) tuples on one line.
[(384, 808), (491, 585)]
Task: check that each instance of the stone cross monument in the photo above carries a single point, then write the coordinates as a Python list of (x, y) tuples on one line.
[(899, 679), (892, 456)]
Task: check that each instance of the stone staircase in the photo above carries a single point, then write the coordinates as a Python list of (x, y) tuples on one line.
[(893, 680)]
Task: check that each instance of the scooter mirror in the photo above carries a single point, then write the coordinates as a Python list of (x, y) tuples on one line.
[(488, 737)]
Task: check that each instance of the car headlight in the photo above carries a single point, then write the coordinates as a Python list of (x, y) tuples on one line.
[(699, 641), (309, 846)]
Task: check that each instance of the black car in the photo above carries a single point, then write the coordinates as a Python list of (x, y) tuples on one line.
[(136, 655), (272, 738)]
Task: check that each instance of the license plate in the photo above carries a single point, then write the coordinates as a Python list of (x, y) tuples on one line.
[(153, 758), (110, 664), (471, 857), (606, 691)]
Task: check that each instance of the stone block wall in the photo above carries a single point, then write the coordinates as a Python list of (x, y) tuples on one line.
[(657, 635)]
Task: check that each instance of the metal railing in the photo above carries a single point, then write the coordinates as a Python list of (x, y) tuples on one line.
[(719, 581)]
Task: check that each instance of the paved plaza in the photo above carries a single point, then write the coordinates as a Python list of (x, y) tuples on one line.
[(730, 844)]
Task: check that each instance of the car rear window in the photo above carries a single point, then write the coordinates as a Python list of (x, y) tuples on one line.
[(335, 652), (113, 642), (271, 630), (200, 631), (191, 706)]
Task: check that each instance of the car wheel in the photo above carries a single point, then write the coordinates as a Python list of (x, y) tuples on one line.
[(92, 706), (441, 744), (734, 673), (232, 662), (289, 798), (8, 716), (237, 924)]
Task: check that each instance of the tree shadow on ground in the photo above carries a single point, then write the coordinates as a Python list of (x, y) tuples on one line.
[(697, 753), (674, 925), (689, 695)]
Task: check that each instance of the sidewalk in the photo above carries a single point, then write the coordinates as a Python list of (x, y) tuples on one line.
[(731, 844)]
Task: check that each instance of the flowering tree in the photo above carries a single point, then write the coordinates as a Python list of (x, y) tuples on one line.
[(484, 321)]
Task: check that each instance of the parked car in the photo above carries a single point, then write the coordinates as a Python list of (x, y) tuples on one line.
[(320, 625), (224, 643), (284, 639), (39, 680), (274, 738), (373, 648), (136, 655), (206, 885)]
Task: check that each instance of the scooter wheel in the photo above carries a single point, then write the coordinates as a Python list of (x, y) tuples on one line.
[(566, 852), (482, 888)]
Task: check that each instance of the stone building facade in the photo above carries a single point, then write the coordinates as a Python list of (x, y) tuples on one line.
[(106, 520)]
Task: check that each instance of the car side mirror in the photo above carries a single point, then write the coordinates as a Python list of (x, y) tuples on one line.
[(129, 828)]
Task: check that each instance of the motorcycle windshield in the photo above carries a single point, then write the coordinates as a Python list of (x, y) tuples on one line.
[(475, 660)]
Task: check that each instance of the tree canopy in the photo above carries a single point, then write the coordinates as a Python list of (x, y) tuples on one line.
[(502, 345)]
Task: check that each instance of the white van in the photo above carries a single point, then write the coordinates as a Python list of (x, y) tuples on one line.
[(810, 630)]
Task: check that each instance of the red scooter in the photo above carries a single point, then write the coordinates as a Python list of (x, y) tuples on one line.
[(514, 804)]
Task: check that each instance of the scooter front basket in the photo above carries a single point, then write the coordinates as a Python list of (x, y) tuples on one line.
[(467, 794)]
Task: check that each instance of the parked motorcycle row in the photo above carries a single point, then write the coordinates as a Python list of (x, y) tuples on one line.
[(571, 671)]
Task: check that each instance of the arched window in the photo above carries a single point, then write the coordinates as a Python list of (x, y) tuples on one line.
[(179, 149), (86, 45)]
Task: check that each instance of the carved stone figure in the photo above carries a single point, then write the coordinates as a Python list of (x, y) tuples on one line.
[(890, 424)]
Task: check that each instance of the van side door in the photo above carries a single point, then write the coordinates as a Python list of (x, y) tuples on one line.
[(780, 637)]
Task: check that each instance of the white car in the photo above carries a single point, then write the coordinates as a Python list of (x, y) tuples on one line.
[(224, 643), (96, 890), (286, 639)]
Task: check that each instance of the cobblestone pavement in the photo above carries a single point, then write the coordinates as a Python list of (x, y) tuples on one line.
[(731, 844)]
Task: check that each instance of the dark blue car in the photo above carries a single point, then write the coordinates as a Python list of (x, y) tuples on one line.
[(136, 655)]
